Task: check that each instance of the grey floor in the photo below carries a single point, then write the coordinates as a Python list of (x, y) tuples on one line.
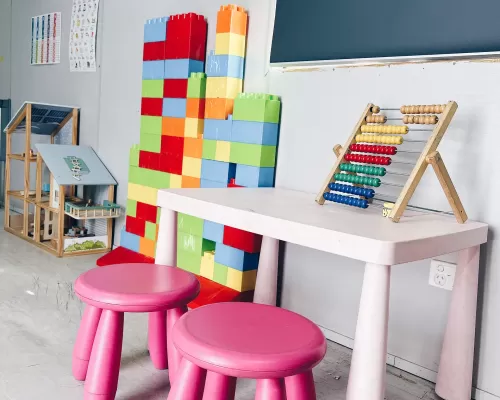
[(39, 316)]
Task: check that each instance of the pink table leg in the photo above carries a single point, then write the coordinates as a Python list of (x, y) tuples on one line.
[(166, 247), (174, 357), (219, 387), (189, 383), (104, 366), (454, 380), (85, 341), (367, 375), (300, 387), (267, 275), (157, 339), (271, 389)]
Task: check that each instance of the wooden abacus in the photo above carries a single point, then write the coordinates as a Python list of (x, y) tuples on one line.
[(372, 129)]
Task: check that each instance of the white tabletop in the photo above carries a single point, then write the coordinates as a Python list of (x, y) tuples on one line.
[(347, 231)]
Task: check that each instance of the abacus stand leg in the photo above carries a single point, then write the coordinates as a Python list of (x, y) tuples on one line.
[(267, 274), (368, 369), (166, 247), (454, 380)]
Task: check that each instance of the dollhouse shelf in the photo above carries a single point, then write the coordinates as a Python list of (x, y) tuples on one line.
[(20, 157), (105, 211)]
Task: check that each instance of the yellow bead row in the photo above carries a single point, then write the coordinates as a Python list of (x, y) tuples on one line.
[(379, 139), (387, 129)]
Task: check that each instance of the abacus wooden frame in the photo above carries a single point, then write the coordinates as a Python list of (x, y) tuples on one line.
[(428, 156)]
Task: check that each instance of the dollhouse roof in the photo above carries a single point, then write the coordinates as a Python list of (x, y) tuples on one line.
[(75, 165), (45, 118)]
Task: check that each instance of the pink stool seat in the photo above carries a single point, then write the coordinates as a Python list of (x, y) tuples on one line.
[(221, 342), (136, 287)]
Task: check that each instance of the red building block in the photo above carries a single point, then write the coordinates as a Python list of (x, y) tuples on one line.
[(232, 184), (187, 25), (146, 212), (154, 51), (136, 226), (246, 241), (121, 255), (151, 106), (186, 47), (176, 88), (149, 160), (171, 163), (172, 145)]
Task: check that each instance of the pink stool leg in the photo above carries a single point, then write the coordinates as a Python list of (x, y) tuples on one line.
[(271, 389), (219, 387), (300, 387), (189, 382), (104, 366), (174, 357), (454, 379), (157, 339), (85, 341)]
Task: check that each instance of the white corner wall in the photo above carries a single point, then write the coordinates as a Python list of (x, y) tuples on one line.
[(5, 26)]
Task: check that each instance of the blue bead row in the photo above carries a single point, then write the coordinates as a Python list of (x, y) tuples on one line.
[(350, 201), (358, 191)]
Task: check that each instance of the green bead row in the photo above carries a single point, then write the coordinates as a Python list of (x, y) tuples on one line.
[(363, 169), (360, 180)]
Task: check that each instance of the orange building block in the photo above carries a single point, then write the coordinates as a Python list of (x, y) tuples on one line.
[(190, 182), (147, 247), (195, 108), (218, 108), (193, 147), (232, 19), (173, 126)]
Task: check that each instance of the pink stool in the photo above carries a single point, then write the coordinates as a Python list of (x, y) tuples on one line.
[(225, 341), (109, 292)]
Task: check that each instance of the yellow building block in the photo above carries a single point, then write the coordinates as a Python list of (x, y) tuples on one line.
[(241, 281), (222, 151), (230, 43), (175, 181), (223, 87), (192, 167), (193, 127), (207, 264), (142, 193)]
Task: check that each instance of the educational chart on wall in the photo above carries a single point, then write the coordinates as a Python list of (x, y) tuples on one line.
[(82, 42), (46, 39)]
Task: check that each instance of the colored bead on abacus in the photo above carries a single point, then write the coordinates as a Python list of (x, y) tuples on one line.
[(363, 169), (374, 149), (350, 201), (359, 180), (358, 191), (379, 139), (362, 158)]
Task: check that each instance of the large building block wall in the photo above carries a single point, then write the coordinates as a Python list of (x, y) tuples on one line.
[(199, 129)]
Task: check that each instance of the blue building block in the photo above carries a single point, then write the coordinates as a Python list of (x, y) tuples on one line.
[(153, 70), (174, 108), (249, 176), (208, 184), (235, 258), (213, 231), (251, 132), (129, 240), (225, 65), (155, 30), (217, 171), (218, 129), (182, 68)]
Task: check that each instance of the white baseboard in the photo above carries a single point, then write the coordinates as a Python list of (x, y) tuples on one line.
[(404, 365)]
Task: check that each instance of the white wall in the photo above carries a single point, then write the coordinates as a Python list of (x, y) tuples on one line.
[(122, 71), (5, 10)]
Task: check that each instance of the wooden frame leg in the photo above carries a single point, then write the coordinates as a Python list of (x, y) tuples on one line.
[(267, 274), (166, 247), (367, 376), (454, 380)]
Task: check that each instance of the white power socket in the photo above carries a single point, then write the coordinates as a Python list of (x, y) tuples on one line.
[(442, 274)]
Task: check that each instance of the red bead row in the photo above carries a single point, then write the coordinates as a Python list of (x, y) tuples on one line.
[(369, 148), (361, 158)]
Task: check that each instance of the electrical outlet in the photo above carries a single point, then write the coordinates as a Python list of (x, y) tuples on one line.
[(442, 274)]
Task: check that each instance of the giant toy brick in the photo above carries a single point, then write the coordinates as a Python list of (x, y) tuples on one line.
[(197, 83), (217, 171), (218, 108), (174, 107), (213, 231), (246, 241), (182, 68), (134, 156), (253, 154), (154, 51), (235, 258), (223, 87), (232, 19), (195, 107), (250, 176), (222, 65), (175, 88), (189, 224), (153, 88), (230, 44), (252, 132), (155, 30), (257, 107), (153, 70), (151, 106), (218, 129)]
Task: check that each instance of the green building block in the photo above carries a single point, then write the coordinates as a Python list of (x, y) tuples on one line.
[(152, 88), (150, 142), (197, 85), (257, 107), (149, 178), (131, 208), (209, 149), (220, 274), (253, 154), (194, 244), (150, 230), (134, 175), (134, 156), (189, 224), (151, 125), (189, 261)]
